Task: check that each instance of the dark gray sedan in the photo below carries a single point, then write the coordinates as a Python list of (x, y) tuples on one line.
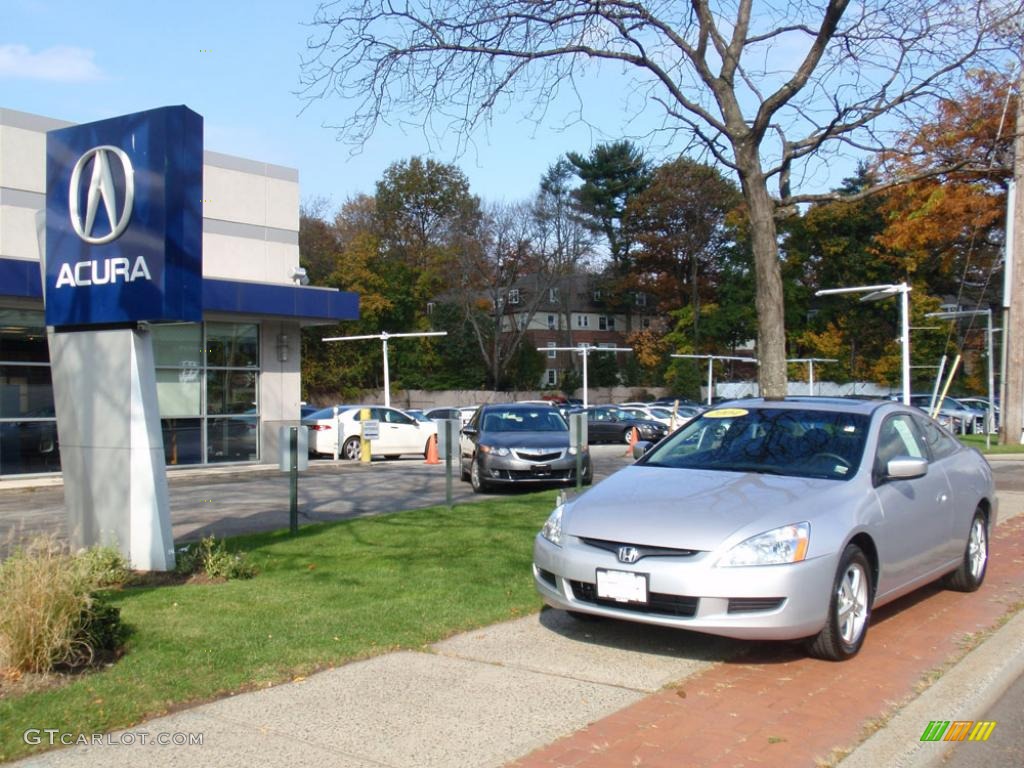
[(515, 443), (775, 520)]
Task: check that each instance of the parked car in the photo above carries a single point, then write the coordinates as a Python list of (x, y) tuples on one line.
[(419, 415), (463, 414), (953, 415), (775, 520), (399, 432), (513, 444), (610, 424), (662, 415)]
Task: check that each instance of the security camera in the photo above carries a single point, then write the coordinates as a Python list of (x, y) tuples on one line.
[(299, 276)]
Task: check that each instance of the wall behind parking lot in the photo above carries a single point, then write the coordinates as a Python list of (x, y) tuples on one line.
[(423, 399)]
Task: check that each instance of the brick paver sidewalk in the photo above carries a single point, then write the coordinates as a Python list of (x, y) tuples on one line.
[(775, 707)]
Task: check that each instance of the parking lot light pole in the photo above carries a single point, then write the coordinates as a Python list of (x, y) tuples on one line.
[(810, 372), (585, 350), (952, 315), (875, 293), (384, 336), (711, 362)]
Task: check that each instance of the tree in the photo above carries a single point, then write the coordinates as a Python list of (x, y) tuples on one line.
[(612, 174), (679, 225), (765, 92)]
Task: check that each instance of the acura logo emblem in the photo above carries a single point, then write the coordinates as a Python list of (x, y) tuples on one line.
[(101, 187), (628, 554)]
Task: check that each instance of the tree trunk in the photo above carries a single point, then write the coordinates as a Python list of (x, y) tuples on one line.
[(1012, 421), (771, 322)]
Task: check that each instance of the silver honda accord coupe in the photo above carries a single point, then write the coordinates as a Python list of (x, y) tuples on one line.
[(777, 520)]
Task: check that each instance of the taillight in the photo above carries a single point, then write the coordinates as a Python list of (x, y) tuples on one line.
[(320, 427)]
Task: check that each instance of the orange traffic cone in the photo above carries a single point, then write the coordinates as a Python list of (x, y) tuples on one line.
[(432, 451), (634, 438)]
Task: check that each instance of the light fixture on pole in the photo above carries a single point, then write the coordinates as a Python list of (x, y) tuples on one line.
[(810, 372), (875, 293), (584, 350), (952, 315), (711, 361), (383, 337)]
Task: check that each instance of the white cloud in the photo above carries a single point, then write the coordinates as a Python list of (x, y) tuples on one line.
[(58, 64)]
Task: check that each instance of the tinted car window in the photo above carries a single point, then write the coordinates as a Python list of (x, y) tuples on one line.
[(898, 436), (940, 445), (782, 441)]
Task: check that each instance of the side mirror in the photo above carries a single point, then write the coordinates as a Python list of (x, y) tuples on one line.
[(906, 468), (469, 431), (641, 447)]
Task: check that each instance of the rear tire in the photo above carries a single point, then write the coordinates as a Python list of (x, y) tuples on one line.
[(849, 609), (627, 436), (971, 573), (351, 449)]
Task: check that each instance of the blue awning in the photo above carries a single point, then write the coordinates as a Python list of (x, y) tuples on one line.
[(20, 278)]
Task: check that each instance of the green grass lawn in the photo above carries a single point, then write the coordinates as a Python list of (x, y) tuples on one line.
[(978, 441), (331, 594)]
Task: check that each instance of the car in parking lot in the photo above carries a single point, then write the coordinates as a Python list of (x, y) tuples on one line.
[(611, 424), (399, 432), (463, 414), (775, 520), (517, 443)]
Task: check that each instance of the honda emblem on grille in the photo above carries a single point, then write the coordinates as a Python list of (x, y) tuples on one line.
[(628, 554)]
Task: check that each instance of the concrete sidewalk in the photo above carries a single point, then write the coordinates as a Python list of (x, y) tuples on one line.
[(547, 690)]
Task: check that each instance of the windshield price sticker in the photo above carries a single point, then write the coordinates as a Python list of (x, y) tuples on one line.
[(622, 586), (726, 413)]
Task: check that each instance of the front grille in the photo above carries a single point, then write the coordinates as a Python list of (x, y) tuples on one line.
[(537, 454), (529, 474), (666, 605), (645, 551), (754, 604)]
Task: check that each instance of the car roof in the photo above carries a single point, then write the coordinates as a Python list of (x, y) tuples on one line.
[(847, 404)]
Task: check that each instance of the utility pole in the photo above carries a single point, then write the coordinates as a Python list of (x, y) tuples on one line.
[(1012, 407)]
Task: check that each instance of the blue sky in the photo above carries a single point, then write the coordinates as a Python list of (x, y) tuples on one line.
[(237, 64)]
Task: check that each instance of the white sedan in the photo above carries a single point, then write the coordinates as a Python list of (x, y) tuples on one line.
[(399, 433)]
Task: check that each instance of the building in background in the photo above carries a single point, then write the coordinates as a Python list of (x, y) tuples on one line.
[(224, 385)]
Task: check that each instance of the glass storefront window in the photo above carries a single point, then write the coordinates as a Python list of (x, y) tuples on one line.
[(25, 390), (230, 392), (232, 439), (179, 392), (232, 345), (23, 337), (28, 446), (182, 441), (178, 346)]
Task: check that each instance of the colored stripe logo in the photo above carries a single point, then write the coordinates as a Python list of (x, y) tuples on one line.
[(958, 730)]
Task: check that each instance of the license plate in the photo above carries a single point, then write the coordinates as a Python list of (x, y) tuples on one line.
[(622, 586), (541, 469)]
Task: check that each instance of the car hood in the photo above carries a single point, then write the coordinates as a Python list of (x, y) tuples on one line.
[(559, 440), (696, 509)]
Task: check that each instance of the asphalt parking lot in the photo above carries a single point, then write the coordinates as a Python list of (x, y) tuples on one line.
[(251, 499)]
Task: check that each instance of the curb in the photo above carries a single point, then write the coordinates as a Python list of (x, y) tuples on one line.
[(965, 692)]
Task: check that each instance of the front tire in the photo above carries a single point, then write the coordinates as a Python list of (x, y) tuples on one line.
[(627, 436), (971, 573), (475, 479), (849, 609), (350, 449)]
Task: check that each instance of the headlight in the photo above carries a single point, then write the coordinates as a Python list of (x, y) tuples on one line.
[(496, 450), (552, 530), (787, 544)]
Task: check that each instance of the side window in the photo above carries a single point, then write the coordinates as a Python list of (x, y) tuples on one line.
[(940, 444), (898, 437)]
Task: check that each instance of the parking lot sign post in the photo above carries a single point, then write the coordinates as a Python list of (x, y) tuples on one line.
[(578, 438), (447, 445), (370, 430), (293, 456)]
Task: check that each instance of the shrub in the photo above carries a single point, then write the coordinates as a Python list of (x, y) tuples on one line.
[(49, 616), (210, 557), (103, 567)]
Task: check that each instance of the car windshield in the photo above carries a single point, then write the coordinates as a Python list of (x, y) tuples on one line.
[(778, 441), (544, 419)]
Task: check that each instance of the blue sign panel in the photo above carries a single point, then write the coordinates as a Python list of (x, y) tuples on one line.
[(124, 220)]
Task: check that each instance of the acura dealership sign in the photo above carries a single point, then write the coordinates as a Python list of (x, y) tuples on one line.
[(124, 220)]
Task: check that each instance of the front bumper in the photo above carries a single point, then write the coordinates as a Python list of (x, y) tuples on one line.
[(513, 468), (776, 602)]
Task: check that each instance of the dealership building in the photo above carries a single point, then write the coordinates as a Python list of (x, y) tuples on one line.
[(224, 385)]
